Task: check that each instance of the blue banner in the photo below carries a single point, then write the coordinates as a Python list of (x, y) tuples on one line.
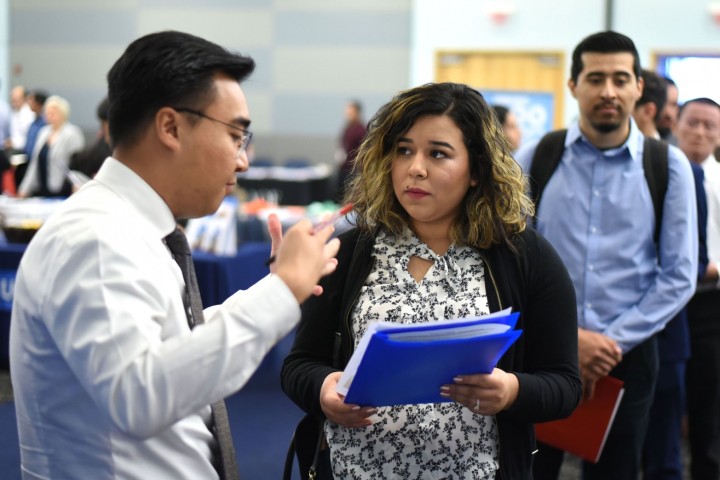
[(7, 286), (534, 110)]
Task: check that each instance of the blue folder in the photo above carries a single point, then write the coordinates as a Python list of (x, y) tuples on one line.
[(395, 372)]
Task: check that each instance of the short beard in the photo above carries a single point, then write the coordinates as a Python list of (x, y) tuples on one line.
[(606, 127)]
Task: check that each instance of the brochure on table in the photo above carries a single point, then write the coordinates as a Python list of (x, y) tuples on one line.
[(216, 233)]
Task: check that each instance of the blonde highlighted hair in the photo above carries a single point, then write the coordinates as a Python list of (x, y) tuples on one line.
[(494, 210)]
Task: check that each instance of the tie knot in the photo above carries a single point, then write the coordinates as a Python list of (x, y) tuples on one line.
[(177, 243)]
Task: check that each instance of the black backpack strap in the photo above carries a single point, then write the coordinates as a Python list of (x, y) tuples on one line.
[(655, 166), (544, 162), (549, 152)]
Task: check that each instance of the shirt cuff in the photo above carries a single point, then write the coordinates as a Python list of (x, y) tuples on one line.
[(271, 304)]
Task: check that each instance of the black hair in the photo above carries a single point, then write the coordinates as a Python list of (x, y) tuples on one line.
[(102, 109), (502, 112), (40, 96), (604, 42), (165, 69), (700, 100), (654, 91), (669, 81), (356, 105)]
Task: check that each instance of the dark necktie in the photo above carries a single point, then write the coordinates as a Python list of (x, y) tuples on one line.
[(177, 242)]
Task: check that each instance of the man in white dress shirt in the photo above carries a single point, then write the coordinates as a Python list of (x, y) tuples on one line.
[(698, 132), (109, 379), (20, 121)]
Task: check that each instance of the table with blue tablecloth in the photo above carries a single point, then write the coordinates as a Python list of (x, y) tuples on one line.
[(218, 278)]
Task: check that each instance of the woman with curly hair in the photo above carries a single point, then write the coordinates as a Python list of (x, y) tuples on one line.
[(440, 233)]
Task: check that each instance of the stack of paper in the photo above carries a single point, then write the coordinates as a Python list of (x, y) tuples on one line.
[(399, 364)]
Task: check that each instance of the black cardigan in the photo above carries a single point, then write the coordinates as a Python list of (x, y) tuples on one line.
[(533, 281)]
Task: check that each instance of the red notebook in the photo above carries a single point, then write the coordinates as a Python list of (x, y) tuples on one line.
[(584, 432)]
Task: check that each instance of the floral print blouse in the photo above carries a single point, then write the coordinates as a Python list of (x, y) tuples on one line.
[(426, 441)]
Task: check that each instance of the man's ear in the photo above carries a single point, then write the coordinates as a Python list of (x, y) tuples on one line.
[(167, 128), (571, 86), (651, 110), (648, 111), (640, 87)]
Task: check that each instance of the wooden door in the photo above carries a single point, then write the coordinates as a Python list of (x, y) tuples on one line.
[(538, 74)]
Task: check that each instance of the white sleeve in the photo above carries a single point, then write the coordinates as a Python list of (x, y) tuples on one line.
[(116, 314)]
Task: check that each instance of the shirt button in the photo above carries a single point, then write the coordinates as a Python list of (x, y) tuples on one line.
[(593, 229), (596, 193), (588, 305), (591, 267)]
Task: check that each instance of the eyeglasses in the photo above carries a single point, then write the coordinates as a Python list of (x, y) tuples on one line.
[(241, 141)]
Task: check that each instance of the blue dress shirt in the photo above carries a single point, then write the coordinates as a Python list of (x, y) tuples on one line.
[(597, 212), (32, 134)]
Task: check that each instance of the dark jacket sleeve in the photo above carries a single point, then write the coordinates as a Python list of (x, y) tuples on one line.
[(548, 374), (310, 359)]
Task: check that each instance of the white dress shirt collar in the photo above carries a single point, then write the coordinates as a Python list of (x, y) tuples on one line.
[(128, 185)]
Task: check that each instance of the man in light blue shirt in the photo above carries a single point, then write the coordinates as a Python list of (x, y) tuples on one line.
[(598, 213)]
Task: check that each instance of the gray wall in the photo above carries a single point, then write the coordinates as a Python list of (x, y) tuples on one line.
[(4, 49), (312, 56), (557, 25)]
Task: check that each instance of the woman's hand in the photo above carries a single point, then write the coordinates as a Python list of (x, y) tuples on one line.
[(336, 410), (484, 393)]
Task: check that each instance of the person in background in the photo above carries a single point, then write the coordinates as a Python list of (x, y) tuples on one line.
[(46, 175), (114, 363), (597, 211), (36, 101), (662, 457), (88, 161), (698, 131), (510, 126), (5, 114), (21, 119), (441, 234), (649, 107), (350, 140), (669, 115)]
